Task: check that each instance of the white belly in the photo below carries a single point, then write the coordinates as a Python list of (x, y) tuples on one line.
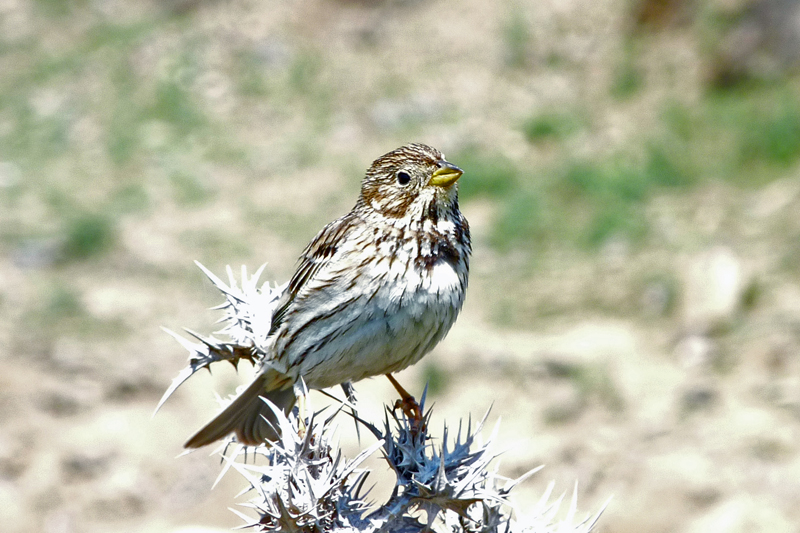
[(390, 325)]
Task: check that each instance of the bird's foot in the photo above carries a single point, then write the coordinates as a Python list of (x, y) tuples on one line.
[(410, 408), (301, 392)]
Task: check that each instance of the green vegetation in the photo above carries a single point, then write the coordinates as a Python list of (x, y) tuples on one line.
[(217, 244), (122, 127), (488, 175), (593, 383), (174, 104), (596, 381), (88, 235), (435, 378), (189, 189), (745, 136), (774, 136), (113, 130), (523, 221), (58, 8), (249, 75), (32, 138), (149, 117), (62, 302), (60, 311), (668, 165), (130, 198), (587, 202), (304, 72), (517, 40), (609, 195), (550, 126), (628, 79)]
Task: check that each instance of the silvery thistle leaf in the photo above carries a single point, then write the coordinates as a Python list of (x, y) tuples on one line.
[(303, 482)]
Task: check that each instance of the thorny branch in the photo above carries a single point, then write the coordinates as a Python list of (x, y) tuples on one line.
[(305, 484)]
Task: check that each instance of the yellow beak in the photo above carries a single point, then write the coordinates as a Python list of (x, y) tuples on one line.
[(446, 175)]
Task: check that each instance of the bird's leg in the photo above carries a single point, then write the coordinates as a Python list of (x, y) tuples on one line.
[(408, 404), (349, 391), (301, 391)]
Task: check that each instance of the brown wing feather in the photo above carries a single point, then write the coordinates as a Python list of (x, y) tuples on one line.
[(316, 255), (248, 415)]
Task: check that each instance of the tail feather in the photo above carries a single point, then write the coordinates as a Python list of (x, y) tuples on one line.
[(248, 415)]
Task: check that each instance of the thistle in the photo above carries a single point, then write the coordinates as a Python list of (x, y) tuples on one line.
[(302, 482)]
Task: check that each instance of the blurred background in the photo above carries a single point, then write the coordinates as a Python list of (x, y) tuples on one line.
[(632, 179)]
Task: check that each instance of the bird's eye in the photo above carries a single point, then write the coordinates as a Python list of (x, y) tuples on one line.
[(403, 177)]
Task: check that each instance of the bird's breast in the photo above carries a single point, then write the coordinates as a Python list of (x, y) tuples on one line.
[(391, 299)]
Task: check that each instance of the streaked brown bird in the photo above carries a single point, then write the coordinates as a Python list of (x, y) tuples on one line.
[(375, 291)]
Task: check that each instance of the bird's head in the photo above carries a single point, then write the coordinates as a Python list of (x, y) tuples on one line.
[(412, 181)]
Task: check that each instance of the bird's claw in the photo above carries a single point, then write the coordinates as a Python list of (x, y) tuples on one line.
[(409, 406)]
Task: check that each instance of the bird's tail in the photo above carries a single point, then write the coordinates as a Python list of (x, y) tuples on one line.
[(248, 415)]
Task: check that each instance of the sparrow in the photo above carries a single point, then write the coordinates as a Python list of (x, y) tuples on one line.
[(374, 291)]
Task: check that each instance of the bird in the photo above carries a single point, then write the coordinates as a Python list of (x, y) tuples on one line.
[(374, 291)]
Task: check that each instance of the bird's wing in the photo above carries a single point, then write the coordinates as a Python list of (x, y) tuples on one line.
[(317, 255)]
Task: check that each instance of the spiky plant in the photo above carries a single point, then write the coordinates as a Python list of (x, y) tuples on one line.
[(304, 484)]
